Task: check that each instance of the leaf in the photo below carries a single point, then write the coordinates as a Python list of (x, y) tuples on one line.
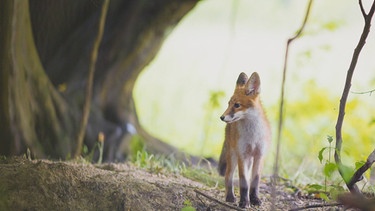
[(62, 87), (188, 208), (329, 168), (320, 155), (347, 173), (329, 139), (215, 97), (314, 187), (323, 196), (331, 26), (359, 164)]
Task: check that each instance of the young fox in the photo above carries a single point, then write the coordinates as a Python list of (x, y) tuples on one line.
[(247, 135)]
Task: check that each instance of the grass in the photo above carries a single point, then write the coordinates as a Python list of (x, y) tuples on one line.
[(159, 164)]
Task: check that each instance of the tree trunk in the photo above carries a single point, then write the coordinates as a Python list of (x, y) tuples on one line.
[(35, 115), (42, 84)]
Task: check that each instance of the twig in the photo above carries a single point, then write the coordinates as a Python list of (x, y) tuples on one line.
[(352, 186), (362, 9), (360, 93), (90, 79), (281, 108), (218, 201), (358, 174), (316, 206), (200, 199)]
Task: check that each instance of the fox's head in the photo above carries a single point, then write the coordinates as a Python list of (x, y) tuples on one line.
[(245, 98)]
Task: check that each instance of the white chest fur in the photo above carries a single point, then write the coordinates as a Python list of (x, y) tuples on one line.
[(253, 133)]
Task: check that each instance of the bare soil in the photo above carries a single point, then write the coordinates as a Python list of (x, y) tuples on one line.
[(50, 185)]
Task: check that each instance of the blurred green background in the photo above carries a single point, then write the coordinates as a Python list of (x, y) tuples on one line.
[(182, 93)]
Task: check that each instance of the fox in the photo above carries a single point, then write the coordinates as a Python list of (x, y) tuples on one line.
[(247, 137)]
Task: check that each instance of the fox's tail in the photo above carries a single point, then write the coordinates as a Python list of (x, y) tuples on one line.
[(222, 161)]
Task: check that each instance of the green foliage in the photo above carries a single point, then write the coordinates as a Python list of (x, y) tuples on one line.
[(203, 175), (323, 192), (87, 155), (188, 206), (211, 107), (329, 169), (307, 120), (162, 164), (331, 25), (359, 164), (136, 145), (347, 172), (329, 166), (215, 99), (158, 163)]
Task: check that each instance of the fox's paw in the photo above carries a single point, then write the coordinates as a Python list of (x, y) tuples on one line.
[(244, 204), (230, 198), (254, 200)]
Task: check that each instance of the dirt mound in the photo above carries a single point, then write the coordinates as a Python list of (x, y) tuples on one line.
[(49, 185), (46, 185)]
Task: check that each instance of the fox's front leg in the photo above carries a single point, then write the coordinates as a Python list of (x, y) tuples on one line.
[(231, 166), (255, 178), (244, 174)]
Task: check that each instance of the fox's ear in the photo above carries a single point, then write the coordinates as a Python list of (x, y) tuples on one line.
[(242, 79), (253, 84)]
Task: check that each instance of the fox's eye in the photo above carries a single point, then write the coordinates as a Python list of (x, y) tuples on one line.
[(237, 105)]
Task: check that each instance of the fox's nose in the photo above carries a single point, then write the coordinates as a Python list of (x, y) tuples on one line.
[(222, 118)]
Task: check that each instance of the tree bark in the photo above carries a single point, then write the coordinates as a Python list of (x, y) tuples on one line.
[(35, 116), (42, 84)]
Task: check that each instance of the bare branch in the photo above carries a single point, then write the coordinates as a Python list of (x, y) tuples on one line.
[(299, 32), (281, 108), (370, 92), (90, 79), (219, 202), (362, 9), (366, 30), (316, 206), (358, 174)]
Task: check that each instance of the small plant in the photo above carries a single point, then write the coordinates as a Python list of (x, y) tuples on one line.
[(329, 166), (188, 206), (100, 146), (328, 170), (136, 145), (88, 155)]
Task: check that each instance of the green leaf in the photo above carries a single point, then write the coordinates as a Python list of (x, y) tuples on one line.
[(323, 196), (329, 168), (188, 206), (314, 187), (331, 26), (359, 164), (329, 139), (320, 155), (215, 97), (347, 173)]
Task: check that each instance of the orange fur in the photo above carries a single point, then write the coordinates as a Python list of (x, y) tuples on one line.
[(247, 135)]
